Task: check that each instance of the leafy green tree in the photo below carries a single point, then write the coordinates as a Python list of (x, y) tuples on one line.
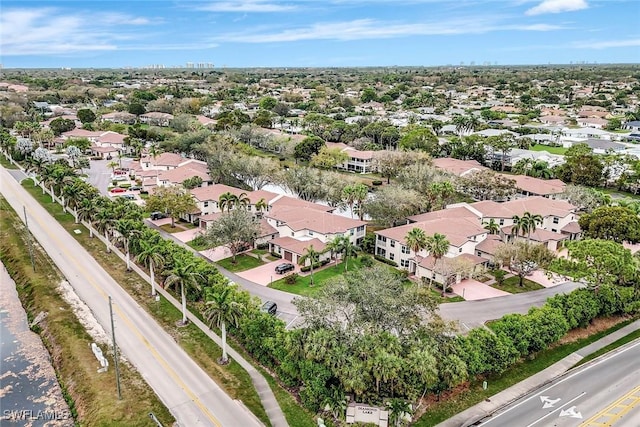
[(264, 118), (328, 158), (222, 308), (172, 200), (268, 103), (581, 167), (191, 183), (184, 275), (390, 205), (491, 226), (308, 147), (86, 116), (416, 240), (486, 185), (602, 262), (348, 250), (236, 229), (136, 108), (368, 94), (523, 257), (422, 139), (354, 195), (60, 125), (616, 223)]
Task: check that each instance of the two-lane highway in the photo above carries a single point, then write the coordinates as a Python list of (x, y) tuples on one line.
[(605, 392), (191, 395)]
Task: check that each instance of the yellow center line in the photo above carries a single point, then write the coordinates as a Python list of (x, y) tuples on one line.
[(626, 402), (131, 325)]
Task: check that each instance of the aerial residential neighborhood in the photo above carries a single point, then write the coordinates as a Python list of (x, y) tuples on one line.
[(306, 234)]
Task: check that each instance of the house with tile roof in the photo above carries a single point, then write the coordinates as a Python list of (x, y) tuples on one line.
[(360, 161)]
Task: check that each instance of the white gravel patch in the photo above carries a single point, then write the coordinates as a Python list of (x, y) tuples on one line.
[(83, 313)]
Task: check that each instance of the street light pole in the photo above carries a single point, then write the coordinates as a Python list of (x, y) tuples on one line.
[(115, 350)]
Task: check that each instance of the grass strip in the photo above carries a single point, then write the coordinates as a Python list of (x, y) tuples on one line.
[(232, 378), (450, 406), (92, 397), (243, 263), (512, 285), (619, 343)]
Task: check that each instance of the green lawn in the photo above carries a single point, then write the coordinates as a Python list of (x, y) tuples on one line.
[(243, 262), (259, 251), (198, 244), (619, 343), (302, 285), (512, 285), (447, 408), (549, 149), (6, 163)]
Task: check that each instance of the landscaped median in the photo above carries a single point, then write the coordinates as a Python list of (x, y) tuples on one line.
[(91, 396)]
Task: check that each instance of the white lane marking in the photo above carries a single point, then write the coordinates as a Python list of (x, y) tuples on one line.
[(571, 412), (548, 403), (556, 410), (580, 371)]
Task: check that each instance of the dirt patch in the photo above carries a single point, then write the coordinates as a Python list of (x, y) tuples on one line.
[(599, 324)]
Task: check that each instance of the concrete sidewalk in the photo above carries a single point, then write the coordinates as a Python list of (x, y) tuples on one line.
[(505, 397)]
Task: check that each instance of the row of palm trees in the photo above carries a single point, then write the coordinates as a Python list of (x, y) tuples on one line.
[(120, 221), (228, 201), (437, 245), (522, 225)]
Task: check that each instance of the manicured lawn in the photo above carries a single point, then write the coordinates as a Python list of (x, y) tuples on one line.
[(259, 251), (243, 262), (512, 285), (302, 285), (549, 149), (198, 244), (6, 163), (447, 408)]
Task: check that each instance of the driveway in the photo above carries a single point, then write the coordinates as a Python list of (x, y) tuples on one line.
[(265, 274), (100, 174), (187, 235), (472, 290)]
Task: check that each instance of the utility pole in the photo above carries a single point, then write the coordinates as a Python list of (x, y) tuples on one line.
[(26, 224), (115, 350)]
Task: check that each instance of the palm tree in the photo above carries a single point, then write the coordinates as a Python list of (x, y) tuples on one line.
[(349, 250), (185, 275), (520, 225), (438, 245), (73, 194), (361, 191), (416, 240), (532, 221), (310, 255), (85, 212), (104, 221), (113, 165), (261, 205), (243, 200), (222, 308), (335, 247), (150, 256), (127, 229), (349, 197), (227, 201), (491, 226)]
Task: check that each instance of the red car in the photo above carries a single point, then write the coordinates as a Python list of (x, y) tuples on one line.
[(118, 190)]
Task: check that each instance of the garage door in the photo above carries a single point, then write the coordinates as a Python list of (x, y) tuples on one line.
[(288, 256)]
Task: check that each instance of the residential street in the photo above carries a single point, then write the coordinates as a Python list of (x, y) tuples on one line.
[(191, 396), (605, 392)]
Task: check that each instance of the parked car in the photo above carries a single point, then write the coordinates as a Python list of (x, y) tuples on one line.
[(284, 267), (135, 188), (118, 190), (269, 307), (128, 196), (157, 215)]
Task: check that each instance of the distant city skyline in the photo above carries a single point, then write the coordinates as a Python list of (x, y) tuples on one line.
[(316, 33)]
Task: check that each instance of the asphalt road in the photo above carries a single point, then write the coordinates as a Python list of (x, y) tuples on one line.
[(601, 393), (191, 395), (471, 314)]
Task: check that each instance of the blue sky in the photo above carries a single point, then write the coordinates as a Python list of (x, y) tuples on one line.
[(317, 33)]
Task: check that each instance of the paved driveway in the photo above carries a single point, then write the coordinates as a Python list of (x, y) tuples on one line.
[(264, 274), (472, 290)]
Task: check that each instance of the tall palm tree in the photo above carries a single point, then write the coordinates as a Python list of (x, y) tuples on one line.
[(127, 229), (185, 275), (150, 256), (520, 225), (113, 165), (310, 255), (227, 201), (243, 200), (348, 249), (491, 226), (361, 192), (73, 194), (416, 240), (222, 308), (104, 220), (335, 247), (85, 212), (532, 221), (438, 245)]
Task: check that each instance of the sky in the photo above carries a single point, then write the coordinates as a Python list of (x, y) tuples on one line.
[(316, 33)]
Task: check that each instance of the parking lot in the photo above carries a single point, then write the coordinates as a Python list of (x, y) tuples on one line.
[(265, 274)]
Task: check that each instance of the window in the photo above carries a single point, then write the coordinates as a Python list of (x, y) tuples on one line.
[(392, 256), (393, 243), (554, 230), (292, 234), (361, 228), (310, 233), (502, 221), (382, 238), (479, 253), (405, 249), (381, 252), (459, 249), (404, 263), (206, 204), (556, 220), (351, 232)]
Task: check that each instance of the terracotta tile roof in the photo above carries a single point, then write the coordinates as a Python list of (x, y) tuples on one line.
[(255, 196), (458, 232), (111, 138), (167, 159), (430, 262), (540, 205), (182, 173), (266, 229), (490, 244), (315, 220), (492, 209), (456, 166), (455, 212), (297, 246), (572, 227), (213, 192), (82, 133), (542, 187), (286, 202)]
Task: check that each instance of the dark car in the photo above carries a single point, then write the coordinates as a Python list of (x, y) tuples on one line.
[(283, 268), (269, 307), (157, 215), (135, 188)]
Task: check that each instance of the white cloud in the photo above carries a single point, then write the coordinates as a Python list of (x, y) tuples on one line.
[(246, 6), (373, 29), (606, 44), (557, 6)]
